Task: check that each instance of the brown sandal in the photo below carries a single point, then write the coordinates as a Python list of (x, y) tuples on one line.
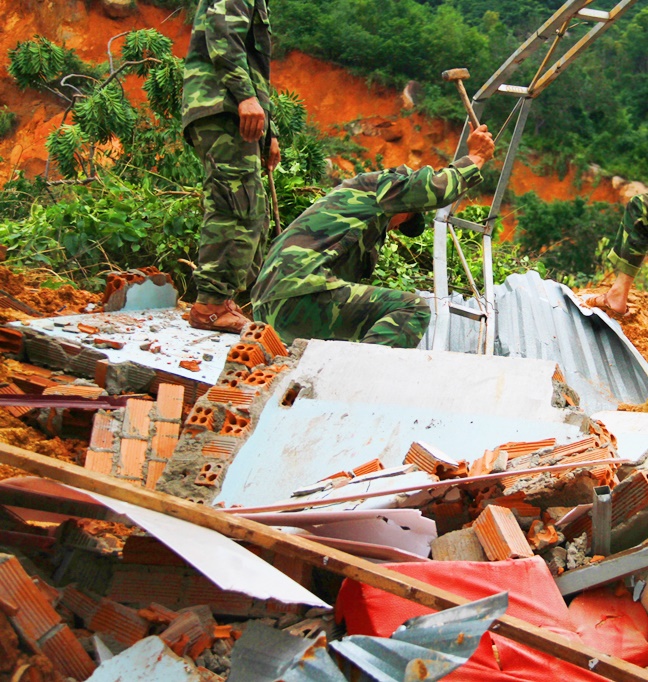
[(601, 302)]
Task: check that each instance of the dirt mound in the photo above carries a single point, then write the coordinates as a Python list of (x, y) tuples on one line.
[(33, 289)]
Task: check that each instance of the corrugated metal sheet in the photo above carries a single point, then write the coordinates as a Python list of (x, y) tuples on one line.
[(543, 319)]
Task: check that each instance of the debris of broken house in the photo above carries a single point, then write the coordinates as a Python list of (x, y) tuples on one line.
[(386, 473)]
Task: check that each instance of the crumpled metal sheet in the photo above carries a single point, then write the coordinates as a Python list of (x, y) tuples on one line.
[(426, 648), (542, 319), (265, 654)]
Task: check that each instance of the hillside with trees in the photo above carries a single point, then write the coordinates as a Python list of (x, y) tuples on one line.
[(121, 187)]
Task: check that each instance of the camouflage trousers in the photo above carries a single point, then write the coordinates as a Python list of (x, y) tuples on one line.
[(631, 242), (236, 220), (353, 312)]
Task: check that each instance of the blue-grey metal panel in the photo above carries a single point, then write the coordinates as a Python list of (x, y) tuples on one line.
[(543, 319)]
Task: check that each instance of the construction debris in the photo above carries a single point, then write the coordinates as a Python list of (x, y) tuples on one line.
[(319, 469)]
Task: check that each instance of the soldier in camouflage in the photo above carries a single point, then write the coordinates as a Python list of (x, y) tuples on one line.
[(627, 255), (226, 117), (309, 285)]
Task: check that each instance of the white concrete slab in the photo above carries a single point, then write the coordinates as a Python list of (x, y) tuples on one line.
[(359, 402), (630, 429), (164, 328)]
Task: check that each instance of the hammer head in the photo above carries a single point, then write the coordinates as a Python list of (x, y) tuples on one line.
[(455, 75)]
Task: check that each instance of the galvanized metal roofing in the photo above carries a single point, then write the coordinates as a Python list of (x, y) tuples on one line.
[(543, 319)]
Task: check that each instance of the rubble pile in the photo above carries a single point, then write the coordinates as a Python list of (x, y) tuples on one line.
[(93, 590)]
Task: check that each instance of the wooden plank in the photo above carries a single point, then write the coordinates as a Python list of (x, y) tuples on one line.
[(313, 553)]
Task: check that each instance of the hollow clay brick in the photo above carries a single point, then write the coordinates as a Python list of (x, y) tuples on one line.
[(67, 654), (132, 455), (136, 419), (91, 392), (11, 341), (103, 432), (154, 471), (248, 354), (119, 621), (458, 545), (211, 474), (500, 534), (169, 401), (430, 460), (165, 439), (201, 418), (234, 425), (370, 467), (266, 336), (517, 449), (14, 410), (221, 447), (35, 616), (241, 396), (101, 462)]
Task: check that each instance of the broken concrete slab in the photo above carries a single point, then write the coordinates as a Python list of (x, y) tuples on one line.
[(155, 340), (345, 413), (149, 659), (630, 430)]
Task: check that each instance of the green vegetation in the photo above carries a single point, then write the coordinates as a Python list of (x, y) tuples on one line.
[(132, 187), (7, 121)]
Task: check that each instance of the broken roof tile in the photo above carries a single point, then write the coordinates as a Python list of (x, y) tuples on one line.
[(169, 401), (500, 534)]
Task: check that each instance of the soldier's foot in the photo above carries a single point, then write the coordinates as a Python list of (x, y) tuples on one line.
[(221, 317)]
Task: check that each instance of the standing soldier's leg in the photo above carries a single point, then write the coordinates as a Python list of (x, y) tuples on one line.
[(353, 312), (235, 221), (631, 243)]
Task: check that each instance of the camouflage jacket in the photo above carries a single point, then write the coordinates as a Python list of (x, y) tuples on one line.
[(339, 237), (228, 59)]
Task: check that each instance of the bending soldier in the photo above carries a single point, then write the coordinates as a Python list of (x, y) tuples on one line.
[(308, 286), (225, 116)]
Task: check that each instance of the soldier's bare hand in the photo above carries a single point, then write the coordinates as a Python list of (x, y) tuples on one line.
[(480, 145), (274, 155), (252, 119)]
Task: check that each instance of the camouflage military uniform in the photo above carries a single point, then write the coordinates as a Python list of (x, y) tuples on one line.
[(228, 61), (631, 243), (308, 286)]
